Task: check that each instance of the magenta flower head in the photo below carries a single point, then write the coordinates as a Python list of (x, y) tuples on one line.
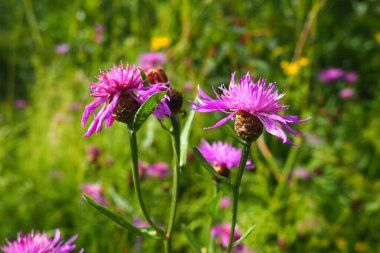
[(351, 77), (221, 233), (254, 105), (95, 191), (225, 202), (159, 170), (329, 75), (37, 242), (120, 91), (62, 48), (152, 60), (346, 93), (222, 156)]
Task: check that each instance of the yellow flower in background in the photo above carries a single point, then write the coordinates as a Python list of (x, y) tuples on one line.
[(290, 68), (158, 43), (377, 37), (303, 61), (341, 243), (360, 246)]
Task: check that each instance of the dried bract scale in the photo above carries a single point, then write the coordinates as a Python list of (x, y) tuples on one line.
[(176, 100), (156, 75), (247, 126)]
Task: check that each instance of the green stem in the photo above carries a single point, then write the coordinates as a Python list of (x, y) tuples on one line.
[(211, 221), (235, 190), (136, 180), (176, 142)]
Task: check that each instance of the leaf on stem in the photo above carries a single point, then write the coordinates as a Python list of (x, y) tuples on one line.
[(147, 109), (249, 231), (185, 139), (191, 238), (209, 167), (145, 232)]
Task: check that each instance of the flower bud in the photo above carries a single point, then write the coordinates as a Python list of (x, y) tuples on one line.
[(176, 100), (125, 109), (157, 75), (247, 126)]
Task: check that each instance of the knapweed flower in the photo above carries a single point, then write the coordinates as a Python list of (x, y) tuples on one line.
[(37, 242), (62, 48), (152, 60), (95, 191), (224, 202), (346, 93), (329, 75), (120, 91), (159, 170), (254, 105), (222, 156), (351, 77), (221, 233), (21, 103)]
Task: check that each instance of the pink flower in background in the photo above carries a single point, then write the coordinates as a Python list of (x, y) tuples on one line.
[(331, 74), (351, 77), (346, 93), (62, 48), (37, 242), (93, 153), (221, 233), (313, 139), (120, 91), (140, 223), (95, 191), (224, 202), (221, 154), (99, 33), (256, 99), (301, 173), (188, 87), (152, 60), (159, 170), (21, 103)]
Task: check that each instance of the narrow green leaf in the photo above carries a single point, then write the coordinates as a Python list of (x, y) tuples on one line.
[(209, 168), (191, 238), (147, 109), (145, 232), (249, 231), (229, 131), (185, 139)]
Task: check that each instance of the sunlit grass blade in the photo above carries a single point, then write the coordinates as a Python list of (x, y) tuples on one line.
[(120, 220), (209, 168), (147, 109), (185, 138), (249, 231), (191, 238)]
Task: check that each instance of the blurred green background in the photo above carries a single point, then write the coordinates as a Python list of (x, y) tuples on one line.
[(51, 50)]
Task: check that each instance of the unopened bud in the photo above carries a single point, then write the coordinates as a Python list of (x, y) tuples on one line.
[(247, 126), (157, 75), (176, 100), (125, 109)]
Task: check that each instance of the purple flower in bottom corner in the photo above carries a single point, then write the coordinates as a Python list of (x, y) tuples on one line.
[(346, 93), (37, 242), (329, 75), (120, 91), (221, 233), (95, 191), (253, 106)]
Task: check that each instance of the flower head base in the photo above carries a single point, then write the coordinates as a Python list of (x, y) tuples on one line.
[(37, 242), (257, 99), (222, 156), (120, 91)]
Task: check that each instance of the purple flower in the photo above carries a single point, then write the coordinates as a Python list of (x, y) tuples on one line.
[(224, 202), (221, 154), (152, 60), (37, 242), (120, 91), (351, 77), (21, 103), (346, 93), (140, 223), (255, 99), (301, 173), (330, 75), (95, 191), (159, 170), (62, 48), (313, 139), (221, 233)]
